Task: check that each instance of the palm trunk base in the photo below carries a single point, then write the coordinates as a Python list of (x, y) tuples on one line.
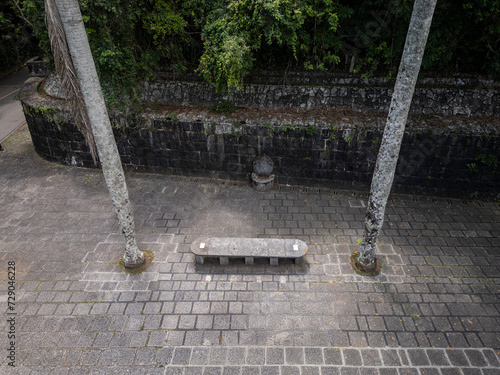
[(365, 270), (135, 260), (133, 264), (139, 265)]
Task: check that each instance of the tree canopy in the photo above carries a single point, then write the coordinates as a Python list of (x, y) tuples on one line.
[(225, 40)]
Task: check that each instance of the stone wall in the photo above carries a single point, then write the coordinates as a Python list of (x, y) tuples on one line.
[(443, 96), (336, 147)]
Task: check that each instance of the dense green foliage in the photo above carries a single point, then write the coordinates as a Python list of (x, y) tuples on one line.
[(225, 40), (17, 43)]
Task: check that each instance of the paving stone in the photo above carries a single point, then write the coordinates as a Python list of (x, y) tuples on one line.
[(314, 356), (349, 371), (193, 371), (144, 357), (270, 370), (352, 357), (236, 356), (418, 357), (275, 356), (181, 356), (310, 370), (330, 370), (294, 356), (256, 356), (218, 355), (457, 358), (493, 359), (212, 370), (434, 311), (437, 357), (429, 371)]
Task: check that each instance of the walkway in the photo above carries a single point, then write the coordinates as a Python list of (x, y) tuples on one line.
[(434, 310), (11, 115)]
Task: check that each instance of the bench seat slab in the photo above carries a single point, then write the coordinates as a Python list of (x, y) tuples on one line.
[(248, 248)]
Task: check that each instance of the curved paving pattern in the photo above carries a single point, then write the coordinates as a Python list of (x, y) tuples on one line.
[(433, 310)]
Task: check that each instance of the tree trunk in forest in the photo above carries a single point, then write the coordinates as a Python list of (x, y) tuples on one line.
[(387, 159), (109, 157)]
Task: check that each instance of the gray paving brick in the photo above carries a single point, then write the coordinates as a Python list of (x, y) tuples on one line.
[(250, 370), (332, 356), (388, 371), (231, 370), (193, 338), (90, 357), (349, 371), (270, 370), (144, 357), (314, 356), (476, 358), (352, 357), (173, 370), (163, 356), (330, 370), (170, 321), (451, 371), (120, 339), (212, 370), (275, 356), (437, 357), (218, 355), (200, 356), (310, 370), (457, 358), (256, 356), (429, 371), (181, 356), (418, 357), (493, 359), (294, 356), (193, 371), (157, 338), (236, 356)]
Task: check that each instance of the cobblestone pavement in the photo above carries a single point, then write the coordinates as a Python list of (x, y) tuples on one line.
[(433, 310)]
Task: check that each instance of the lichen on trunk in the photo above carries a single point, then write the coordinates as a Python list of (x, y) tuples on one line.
[(387, 159), (109, 157)]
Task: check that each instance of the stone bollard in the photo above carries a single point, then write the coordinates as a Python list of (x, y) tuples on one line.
[(263, 176)]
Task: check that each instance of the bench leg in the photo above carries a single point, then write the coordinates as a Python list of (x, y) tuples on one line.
[(249, 260), (273, 261), (224, 260), (199, 259), (298, 261)]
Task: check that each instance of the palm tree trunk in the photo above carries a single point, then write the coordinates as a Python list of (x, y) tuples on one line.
[(387, 159), (109, 157)]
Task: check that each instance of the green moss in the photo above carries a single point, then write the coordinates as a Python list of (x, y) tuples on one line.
[(360, 270), (43, 110), (148, 254), (225, 107)]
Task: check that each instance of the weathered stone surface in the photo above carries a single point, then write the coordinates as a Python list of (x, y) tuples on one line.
[(436, 153), (225, 248), (262, 183), (263, 166)]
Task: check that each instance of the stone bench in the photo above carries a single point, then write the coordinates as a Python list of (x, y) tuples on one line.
[(248, 248)]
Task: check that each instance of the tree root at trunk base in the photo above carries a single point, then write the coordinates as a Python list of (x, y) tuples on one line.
[(148, 258), (362, 270)]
